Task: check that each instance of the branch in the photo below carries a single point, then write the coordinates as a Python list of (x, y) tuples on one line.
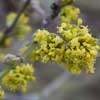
[(9, 29), (56, 8)]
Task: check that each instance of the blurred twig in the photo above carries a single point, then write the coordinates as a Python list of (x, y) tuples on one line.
[(38, 9), (9, 29)]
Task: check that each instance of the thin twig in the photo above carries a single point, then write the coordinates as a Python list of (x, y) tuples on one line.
[(4, 72), (9, 29)]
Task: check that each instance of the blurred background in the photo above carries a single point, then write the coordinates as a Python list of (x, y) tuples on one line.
[(53, 82)]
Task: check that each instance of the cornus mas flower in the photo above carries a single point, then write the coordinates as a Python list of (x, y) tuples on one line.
[(50, 47), (76, 49), (18, 78), (72, 46), (69, 14), (81, 50)]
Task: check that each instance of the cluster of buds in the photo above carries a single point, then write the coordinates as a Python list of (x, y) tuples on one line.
[(69, 13), (18, 78)]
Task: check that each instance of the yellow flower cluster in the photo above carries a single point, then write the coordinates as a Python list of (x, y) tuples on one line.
[(76, 48), (50, 47), (1, 94), (69, 31), (82, 48), (18, 78), (69, 14), (21, 28)]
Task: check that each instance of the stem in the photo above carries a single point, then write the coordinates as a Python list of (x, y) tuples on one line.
[(4, 72), (32, 46), (9, 29), (28, 51)]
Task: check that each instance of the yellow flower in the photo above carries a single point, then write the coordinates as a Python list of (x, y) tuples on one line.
[(90, 70), (75, 70), (69, 14), (24, 19), (80, 21), (19, 77), (41, 35), (76, 48), (50, 47), (82, 48)]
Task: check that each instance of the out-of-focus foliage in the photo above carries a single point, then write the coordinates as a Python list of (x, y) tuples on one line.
[(1, 94), (22, 28)]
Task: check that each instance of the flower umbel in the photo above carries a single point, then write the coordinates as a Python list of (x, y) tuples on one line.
[(18, 78), (81, 50), (76, 48), (50, 47), (69, 14)]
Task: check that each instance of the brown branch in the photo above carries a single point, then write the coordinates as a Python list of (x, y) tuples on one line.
[(9, 29), (56, 8)]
